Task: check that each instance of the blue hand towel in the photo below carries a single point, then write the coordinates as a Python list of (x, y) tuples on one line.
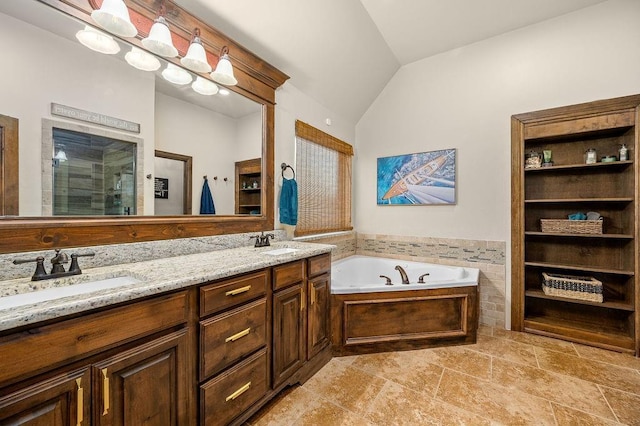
[(206, 200), (289, 202)]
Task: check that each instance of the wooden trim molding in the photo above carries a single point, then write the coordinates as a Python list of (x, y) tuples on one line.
[(9, 177), (187, 176), (257, 80)]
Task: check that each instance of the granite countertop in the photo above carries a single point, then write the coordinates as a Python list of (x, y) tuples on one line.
[(154, 277)]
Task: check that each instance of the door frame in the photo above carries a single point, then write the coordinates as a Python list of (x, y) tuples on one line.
[(188, 165), (9, 166)]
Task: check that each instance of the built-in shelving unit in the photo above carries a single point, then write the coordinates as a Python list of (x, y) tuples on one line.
[(249, 186), (570, 186)]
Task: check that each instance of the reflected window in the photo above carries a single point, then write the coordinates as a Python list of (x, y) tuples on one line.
[(93, 175)]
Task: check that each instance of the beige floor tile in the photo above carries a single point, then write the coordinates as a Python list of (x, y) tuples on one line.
[(408, 368), (593, 371), (328, 414), (536, 340), (348, 387), (566, 416), (610, 357), (506, 349), (462, 359), (492, 401), (625, 405), (567, 390), (397, 405), (288, 406)]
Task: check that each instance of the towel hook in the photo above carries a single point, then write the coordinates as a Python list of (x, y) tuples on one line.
[(284, 167)]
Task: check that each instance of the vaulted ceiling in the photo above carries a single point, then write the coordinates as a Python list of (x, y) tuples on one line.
[(343, 52)]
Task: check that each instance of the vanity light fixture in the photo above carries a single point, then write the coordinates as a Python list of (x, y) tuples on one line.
[(159, 39), (196, 58), (60, 155), (224, 92), (176, 75), (204, 86), (142, 60), (223, 73), (97, 40), (113, 16)]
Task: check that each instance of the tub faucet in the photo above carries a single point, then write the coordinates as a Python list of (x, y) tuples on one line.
[(403, 274)]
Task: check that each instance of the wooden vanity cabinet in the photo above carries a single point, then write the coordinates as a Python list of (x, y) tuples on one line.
[(234, 351), (126, 365), (301, 331)]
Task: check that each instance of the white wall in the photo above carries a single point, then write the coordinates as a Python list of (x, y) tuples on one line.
[(464, 99), (39, 68)]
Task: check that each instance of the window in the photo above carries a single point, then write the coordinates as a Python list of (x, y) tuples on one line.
[(324, 181)]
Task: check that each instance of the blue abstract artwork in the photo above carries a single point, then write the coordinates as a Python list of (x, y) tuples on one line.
[(424, 178)]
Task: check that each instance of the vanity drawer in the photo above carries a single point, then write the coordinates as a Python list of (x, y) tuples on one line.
[(319, 264), (226, 338), (225, 294), (232, 392), (288, 274)]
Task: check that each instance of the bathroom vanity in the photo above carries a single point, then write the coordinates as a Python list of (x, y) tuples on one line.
[(200, 339)]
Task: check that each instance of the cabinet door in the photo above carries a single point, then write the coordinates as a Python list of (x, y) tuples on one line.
[(288, 332), (318, 316), (145, 385), (57, 401)]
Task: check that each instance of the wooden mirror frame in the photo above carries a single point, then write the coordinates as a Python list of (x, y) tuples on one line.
[(257, 80)]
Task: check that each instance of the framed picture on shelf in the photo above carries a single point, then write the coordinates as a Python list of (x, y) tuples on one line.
[(425, 178)]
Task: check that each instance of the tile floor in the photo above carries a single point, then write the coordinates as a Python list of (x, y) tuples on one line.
[(506, 378)]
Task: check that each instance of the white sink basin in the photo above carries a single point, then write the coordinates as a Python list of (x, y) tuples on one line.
[(53, 293), (280, 251)]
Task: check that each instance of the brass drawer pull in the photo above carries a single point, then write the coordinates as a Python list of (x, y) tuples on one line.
[(80, 403), (105, 392), (239, 392), (238, 291), (238, 335)]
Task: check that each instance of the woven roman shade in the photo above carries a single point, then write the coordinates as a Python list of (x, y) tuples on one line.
[(323, 165)]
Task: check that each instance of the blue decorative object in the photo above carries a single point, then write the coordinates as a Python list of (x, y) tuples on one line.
[(577, 216), (289, 202), (206, 200)]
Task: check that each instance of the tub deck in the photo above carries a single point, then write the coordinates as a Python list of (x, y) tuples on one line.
[(403, 320)]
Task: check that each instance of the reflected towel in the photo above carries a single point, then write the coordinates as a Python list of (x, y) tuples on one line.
[(206, 200), (289, 202)]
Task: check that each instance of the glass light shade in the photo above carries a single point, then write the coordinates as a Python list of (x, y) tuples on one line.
[(61, 156), (97, 41), (223, 91), (223, 73), (196, 58), (142, 60), (176, 75), (113, 16), (204, 87), (159, 39)]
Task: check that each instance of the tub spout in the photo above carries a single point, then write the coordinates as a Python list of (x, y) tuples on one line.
[(403, 274)]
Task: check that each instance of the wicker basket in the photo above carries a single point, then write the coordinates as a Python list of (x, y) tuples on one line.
[(572, 287), (565, 226)]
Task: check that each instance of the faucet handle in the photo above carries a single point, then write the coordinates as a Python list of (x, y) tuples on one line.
[(265, 239), (40, 272), (74, 267), (421, 278), (388, 280), (257, 243)]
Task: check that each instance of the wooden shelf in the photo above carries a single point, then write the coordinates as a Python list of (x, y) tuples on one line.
[(539, 294), (580, 167), (556, 234), (582, 200), (605, 337), (579, 268), (249, 198)]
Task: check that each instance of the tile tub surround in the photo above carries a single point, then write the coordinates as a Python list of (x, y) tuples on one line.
[(488, 256), (499, 380), (116, 254), (156, 276)]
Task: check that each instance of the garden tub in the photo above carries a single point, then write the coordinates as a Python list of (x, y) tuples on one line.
[(369, 314)]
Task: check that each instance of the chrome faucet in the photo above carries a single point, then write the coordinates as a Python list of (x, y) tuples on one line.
[(403, 274)]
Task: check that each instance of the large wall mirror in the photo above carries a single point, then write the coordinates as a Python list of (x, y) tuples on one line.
[(90, 126)]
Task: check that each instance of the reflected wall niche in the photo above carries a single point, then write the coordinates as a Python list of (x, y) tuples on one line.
[(48, 127), (257, 81)]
